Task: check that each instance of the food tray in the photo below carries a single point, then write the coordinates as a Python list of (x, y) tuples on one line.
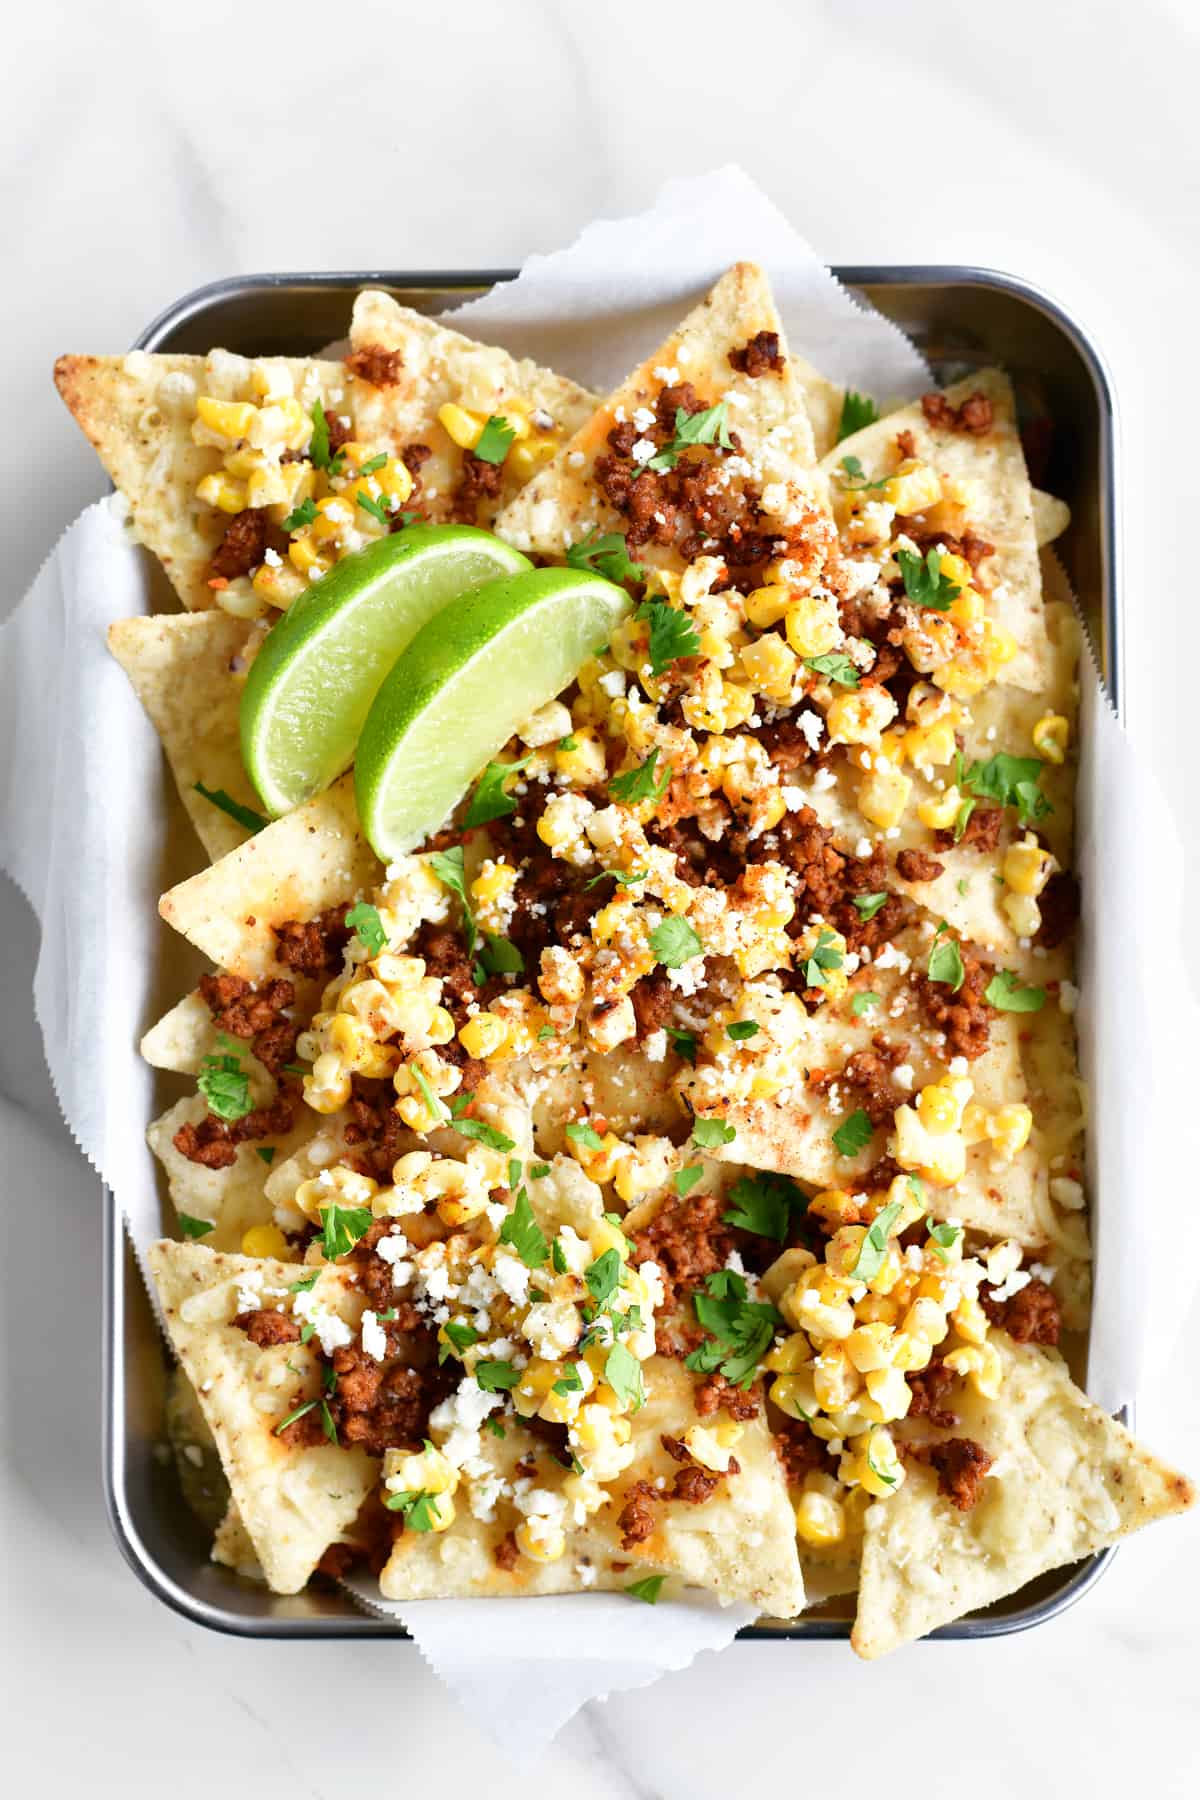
[(962, 318)]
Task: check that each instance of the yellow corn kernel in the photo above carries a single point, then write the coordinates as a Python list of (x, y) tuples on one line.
[(878, 1467), (940, 812), (909, 1352), (869, 1347), (527, 458), (767, 605), (820, 1521), (766, 810), (228, 418), (860, 717), (888, 1390), (956, 569), (483, 1036), (812, 624), (1027, 867), (278, 585), (913, 487), (790, 1355), (1050, 737), (305, 555), (980, 1364), (581, 761), (464, 427), (969, 1320), (281, 425), (219, 491), (395, 479), (835, 1380), (264, 1240), (770, 665), (714, 704), (795, 1394), (327, 1087), (598, 1165), (1023, 914), (1009, 1128), (883, 795), (967, 608), (358, 1049), (833, 1206), (939, 1107), (541, 1540), (930, 746)]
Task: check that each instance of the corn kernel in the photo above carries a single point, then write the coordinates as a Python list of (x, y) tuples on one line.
[(812, 625), (581, 761), (1009, 1128), (464, 427), (1027, 867), (795, 1394), (483, 1036), (913, 487), (1050, 737), (788, 1357), (940, 812), (820, 1521), (219, 491), (766, 605), (883, 795), (969, 1320), (860, 717), (228, 418), (770, 665), (540, 1539), (264, 1240), (395, 480)]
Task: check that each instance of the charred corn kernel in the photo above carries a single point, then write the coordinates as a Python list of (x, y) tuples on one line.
[(219, 490), (1027, 867), (1050, 737), (860, 717), (843, 1249), (930, 642), (980, 1365), (327, 1087), (930, 746), (580, 759), (913, 487), (395, 480), (927, 705), (889, 1392), (598, 1165), (820, 1521), (869, 1347), (940, 812), (877, 1467), (541, 1540), (537, 1380), (790, 1355), (483, 1036), (767, 605), (278, 586), (770, 665), (812, 625), (228, 418), (714, 704), (969, 1320), (882, 796), (264, 1240), (628, 644), (464, 427), (835, 1380), (795, 1394), (1008, 1129)]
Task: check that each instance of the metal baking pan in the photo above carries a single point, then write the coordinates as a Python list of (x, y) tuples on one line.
[(962, 318)]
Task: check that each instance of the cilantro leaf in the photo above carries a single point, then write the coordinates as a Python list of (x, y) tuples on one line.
[(538, 1171), (495, 1376), (342, 1226), (709, 1134), (1011, 781), (571, 1382), (685, 1179), (300, 516), (447, 865), (674, 942), (367, 926), (943, 1238), (863, 1002), (684, 1042), (872, 1252), (945, 962), (495, 439), (623, 1373), (489, 801), (437, 1109), (853, 1134), (500, 956), (318, 447), (924, 583), (707, 427), (245, 815), (835, 667), (726, 1284), (195, 1228), (605, 553), (299, 1413), (459, 1336), (376, 508), (647, 1589), (672, 633), (583, 1133), (522, 1231), (603, 1277), (621, 879), (880, 1474), (854, 477), (484, 1134), (306, 1284), (1008, 993), (266, 1152), (763, 1204), (824, 959), (867, 905), (225, 1087), (419, 1508), (858, 411), (373, 464), (641, 783), (741, 1029), (741, 1330)]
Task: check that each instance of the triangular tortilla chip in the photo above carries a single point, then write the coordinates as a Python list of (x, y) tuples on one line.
[(1003, 515), (180, 668), (233, 1549), (563, 503), (292, 1502), (314, 858), (1050, 517), (230, 1199), (1066, 1481)]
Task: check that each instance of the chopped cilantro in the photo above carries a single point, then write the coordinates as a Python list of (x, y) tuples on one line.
[(741, 1029), (617, 875), (522, 1231), (244, 815), (684, 1042), (514, 1168), (495, 1427), (558, 1259), (603, 1277), (945, 961), (741, 1330), (419, 1508), (374, 507), (571, 1382), (495, 1376), (686, 1179), (872, 1251), (763, 1204), (853, 1134), (605, 553), (672, 634), (490, 801), (962, 885), (500, 956), (582, 1133), (342, 1226), (195, 1228), (641, 783), (709, 1134), (858, 411), (1011, 781), (863, 1002), (962, 819), (647, 1589), (854, 477), (373, 464), (825, 958), (367, 926), (495, 439), (225, 1087), (943, 1238), (484, 1134), (299, 1413), (544, 1032), (447, 865), (623, 1373), (266, 1152), (707, 427), (300, 516), (538, 1171), (674, 942), (924, 582), (437, 1109), (880, 1474), (835, 667), (867, 905), (1008, 993), (318, 447), (306, 1284)]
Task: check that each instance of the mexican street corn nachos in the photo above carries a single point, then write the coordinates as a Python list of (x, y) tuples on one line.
[(669, 1172)]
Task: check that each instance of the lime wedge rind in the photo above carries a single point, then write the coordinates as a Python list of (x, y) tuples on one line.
[(313, 680), (464, 685)]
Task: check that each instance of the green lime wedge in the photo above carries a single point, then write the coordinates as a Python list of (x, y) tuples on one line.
[(467, 681), (319, 668)]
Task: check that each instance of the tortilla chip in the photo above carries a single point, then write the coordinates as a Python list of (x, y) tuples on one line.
[(439, 367), (311, 859), (232, 1547), (563, 503), (1050, 517), (1066, 1481), (822, 402), (230, 1199), (179, 667), (995, 462), (137, 412), (293, 1502)]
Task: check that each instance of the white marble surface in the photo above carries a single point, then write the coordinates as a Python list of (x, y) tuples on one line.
[(148, 149)]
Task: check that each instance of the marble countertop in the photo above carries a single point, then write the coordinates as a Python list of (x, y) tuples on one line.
[(153, 149)]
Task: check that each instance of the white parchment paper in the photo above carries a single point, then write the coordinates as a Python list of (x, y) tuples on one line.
[(81, 830)]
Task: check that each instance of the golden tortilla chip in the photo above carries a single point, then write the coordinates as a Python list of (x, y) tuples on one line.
[(563, 503), (1050, 517), (293, 1502), (180, 669), (232, 1547), (230, 1199), (1066, 1481)]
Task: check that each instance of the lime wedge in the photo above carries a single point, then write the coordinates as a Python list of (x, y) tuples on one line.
[(464, 685), (320, 666)]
